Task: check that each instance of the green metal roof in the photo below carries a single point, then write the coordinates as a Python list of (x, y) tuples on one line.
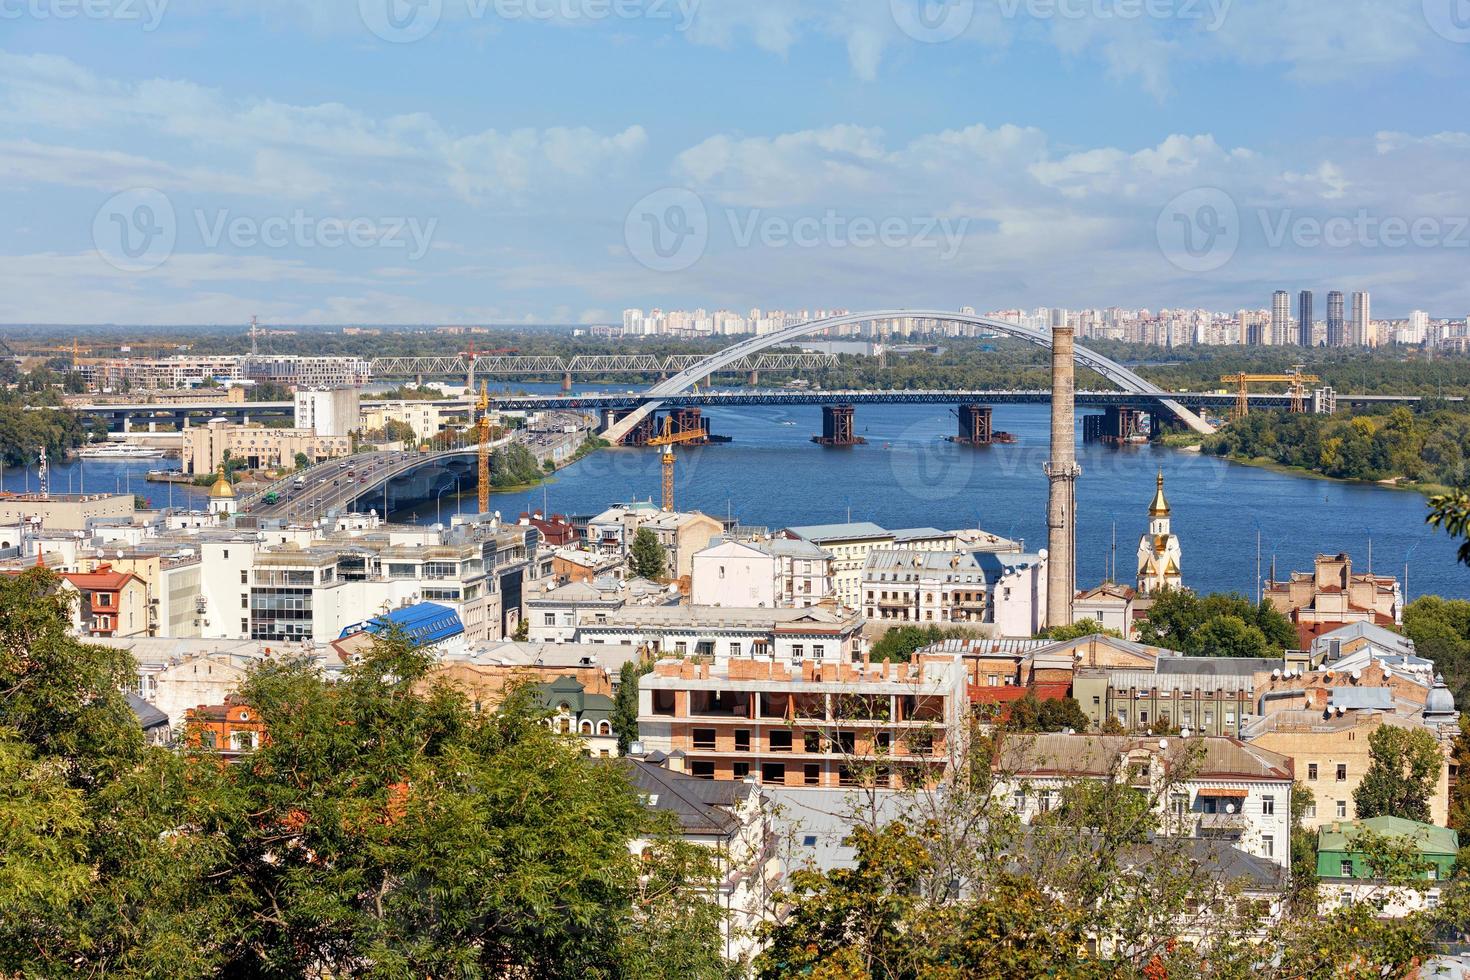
[(1429, 839)]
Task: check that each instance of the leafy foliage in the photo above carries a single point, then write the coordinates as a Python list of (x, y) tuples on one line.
[(647, 557), (1216, 625), (1404, 765), (1077, 630), (900, 642), (1427, 449), (382, 829), (625, 703), (1033, 714), (1451, 511), (1440, 629)]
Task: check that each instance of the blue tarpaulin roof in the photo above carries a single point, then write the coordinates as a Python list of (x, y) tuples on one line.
[(424, 623)]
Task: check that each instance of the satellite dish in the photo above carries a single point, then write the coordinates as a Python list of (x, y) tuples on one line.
[(1276, 673), (1229, 807), (1163, 743), (1184, 732)]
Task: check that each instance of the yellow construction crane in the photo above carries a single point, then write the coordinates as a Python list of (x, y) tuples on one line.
[(482, 427), (669, 440), (1296, 379)]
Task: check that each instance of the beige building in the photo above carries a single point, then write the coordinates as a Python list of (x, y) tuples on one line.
[(682, 535), (1331, 755), (849, 545), (424, 417), (205, 446), (1333, 595), (60, 511)]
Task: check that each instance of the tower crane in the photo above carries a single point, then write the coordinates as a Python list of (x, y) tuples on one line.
[(668, 440), (1296, 379), (482, 432)]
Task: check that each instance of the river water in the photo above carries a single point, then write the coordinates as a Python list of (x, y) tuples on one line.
[(908, 476)]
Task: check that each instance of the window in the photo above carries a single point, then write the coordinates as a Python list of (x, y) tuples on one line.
[(680, 647), (1311, 770), (244, 602), (1342, 772), (740, 769), (1268, 806), (1311, 811), (812, 774), (818, 651), (1018, 800), (704, 738), (797, 652), (773, 772), (1268, 845), (1346, 869), (734, 649), (548, 619), (742, 740), (1433, 873), (779, 741), (1342, 809), (244, 577)]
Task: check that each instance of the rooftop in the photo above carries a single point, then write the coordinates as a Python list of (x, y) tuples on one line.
[(1427, 838), (852, 530)]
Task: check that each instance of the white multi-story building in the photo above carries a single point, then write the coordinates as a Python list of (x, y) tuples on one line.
[(1360, 330), (849, 545), (327, 411), (1233, 791), (903, 585)]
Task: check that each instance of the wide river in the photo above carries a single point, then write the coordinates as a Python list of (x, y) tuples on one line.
[(908, 476)]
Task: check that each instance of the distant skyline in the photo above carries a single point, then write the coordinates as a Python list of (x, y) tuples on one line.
[(557, 161)]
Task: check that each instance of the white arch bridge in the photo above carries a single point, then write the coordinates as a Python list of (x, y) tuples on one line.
[(1119, 375)]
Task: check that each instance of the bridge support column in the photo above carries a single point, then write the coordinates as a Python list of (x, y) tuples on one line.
[(688, 420), (975, 427), (837, 428), (753, 379), (1116, 426), (127, 424), (566, 381), (152, 426)]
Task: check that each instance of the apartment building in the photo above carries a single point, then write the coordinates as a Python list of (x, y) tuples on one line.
[(1232, 791), (204, 446), (926, 587), (785, 636), (849, 545), (807, 724)]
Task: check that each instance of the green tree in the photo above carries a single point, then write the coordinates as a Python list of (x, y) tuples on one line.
[(1077, 630), (648, 558), (1032, 714), (1231, 636), (1403, 768), (1178, 620), (1303, 852), (1451, 511), (397, 431), (302, 461), (625, 703)]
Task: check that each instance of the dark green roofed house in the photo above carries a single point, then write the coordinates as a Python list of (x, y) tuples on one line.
[(577, 712), (1346, 877)]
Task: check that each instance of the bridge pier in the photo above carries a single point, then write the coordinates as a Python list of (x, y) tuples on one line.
[(566, 381), (1115, 426), (975, 428), (837, 428), (753, 379), (688, 420)]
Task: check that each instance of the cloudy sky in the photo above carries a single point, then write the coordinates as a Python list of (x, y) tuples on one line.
[(412, 161)]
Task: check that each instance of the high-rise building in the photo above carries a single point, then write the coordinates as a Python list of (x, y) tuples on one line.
[(1362, 326), (1304, 318), (1335, 336), (1280, 318)]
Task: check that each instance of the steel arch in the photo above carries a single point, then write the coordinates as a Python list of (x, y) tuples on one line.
[(1113, 371)]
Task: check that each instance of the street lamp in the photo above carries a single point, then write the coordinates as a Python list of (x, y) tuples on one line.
[(437, 497)]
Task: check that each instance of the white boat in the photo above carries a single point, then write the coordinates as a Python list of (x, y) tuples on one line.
[(111, 451)]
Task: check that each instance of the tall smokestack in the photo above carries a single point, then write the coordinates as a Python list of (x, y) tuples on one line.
[(1062, 472)]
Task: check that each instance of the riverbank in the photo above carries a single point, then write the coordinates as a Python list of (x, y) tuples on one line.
[(1267, 463)]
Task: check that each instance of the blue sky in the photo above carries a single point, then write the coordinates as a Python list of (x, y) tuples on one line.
[(426, 161)]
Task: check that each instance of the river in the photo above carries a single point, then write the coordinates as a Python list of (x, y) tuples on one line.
[(907, 476)]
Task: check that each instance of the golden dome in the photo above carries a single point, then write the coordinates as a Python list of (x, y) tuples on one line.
[(222, 487), (1160, 506)]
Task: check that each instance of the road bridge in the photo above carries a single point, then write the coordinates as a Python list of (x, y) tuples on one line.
[(584, 365), (1119, 375)]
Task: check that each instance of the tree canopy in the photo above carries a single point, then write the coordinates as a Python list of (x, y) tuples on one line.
[(648, 558), (1216, 625), (1403, 768)]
